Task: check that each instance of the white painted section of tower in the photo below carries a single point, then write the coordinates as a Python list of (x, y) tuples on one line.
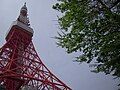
[(22, 25)]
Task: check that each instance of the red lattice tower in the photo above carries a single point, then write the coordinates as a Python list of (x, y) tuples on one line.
[(20, 66)]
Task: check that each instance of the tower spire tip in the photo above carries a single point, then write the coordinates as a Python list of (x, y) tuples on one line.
[(23, 15), (25, 4)]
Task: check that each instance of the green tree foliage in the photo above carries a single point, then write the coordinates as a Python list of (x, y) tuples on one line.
[(93, 28)]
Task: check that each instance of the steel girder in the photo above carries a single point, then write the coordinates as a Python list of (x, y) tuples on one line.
[(21, 66)]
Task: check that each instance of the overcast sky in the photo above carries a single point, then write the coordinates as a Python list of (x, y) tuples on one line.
[(43, 21)]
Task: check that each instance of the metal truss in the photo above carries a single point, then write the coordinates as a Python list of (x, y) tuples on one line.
[(21, 66)]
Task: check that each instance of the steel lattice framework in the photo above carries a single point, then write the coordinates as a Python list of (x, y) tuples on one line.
[(21, 66)]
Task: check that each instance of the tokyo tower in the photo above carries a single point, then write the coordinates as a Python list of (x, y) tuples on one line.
[(20, 66)]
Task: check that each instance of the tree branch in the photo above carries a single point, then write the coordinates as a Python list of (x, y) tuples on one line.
[(104, 5), (115, 3), (100, 1)]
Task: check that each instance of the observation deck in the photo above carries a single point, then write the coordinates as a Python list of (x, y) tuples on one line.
[(22, 26)]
